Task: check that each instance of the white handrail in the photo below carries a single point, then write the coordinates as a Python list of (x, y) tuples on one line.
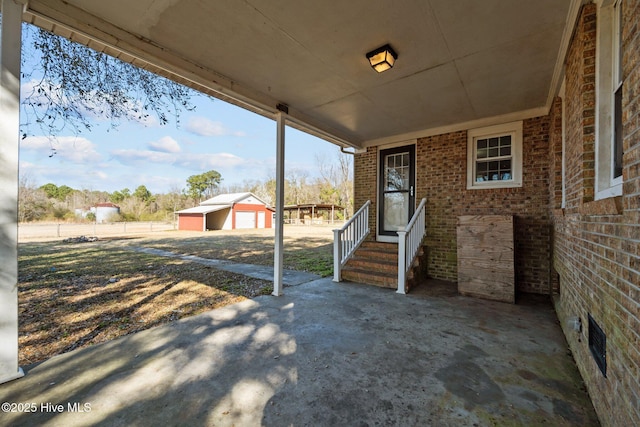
[(409, 241), (347, 239)]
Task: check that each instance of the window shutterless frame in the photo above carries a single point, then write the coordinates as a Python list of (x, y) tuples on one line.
[(609, 90), (494, 157)]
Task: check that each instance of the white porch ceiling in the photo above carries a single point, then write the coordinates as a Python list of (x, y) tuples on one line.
[(459, 61)]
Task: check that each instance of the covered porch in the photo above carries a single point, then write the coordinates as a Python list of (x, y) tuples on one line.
[(501, 77), (321, 355)]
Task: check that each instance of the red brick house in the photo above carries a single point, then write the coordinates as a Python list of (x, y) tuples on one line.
[(227, 212), (500, 109)]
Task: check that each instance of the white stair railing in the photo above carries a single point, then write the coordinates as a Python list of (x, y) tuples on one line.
[(347, 239), (409, 241)]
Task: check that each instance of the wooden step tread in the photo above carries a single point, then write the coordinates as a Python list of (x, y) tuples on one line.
[(362, 258), (372, 265), (391, 247), (387, 280)]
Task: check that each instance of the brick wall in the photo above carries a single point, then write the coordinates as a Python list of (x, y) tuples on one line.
[(441, 177), (596, 243), (555, 154), (580, 118), (555, 170), (364, 186)]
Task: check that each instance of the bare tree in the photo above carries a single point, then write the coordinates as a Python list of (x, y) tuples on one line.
[(336, 179), (32, 201), (70, 83)]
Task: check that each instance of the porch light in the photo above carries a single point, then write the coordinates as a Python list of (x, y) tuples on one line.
[(382, 58)]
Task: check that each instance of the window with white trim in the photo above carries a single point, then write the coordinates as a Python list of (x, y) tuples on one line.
[(609, 80), (494, 156)]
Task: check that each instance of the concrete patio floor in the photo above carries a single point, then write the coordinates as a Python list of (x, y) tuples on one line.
[(324, 354)]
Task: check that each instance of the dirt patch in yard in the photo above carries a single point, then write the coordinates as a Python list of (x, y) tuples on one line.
[(72, 295)]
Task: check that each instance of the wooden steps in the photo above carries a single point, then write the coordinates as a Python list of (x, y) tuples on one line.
[(376, 263)]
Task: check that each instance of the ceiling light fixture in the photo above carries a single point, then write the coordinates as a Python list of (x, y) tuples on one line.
[(382, 58)]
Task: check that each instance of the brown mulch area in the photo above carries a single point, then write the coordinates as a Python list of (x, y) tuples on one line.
[(73, 295)]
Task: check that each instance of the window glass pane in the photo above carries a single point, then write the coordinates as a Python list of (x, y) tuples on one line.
[(505, 170), (482, 153), (394, 180), (493, 152), (396, 214), (493, 142), (505, 151), (396, 174), (492, 171), (505, 165), (482, 143), (617, 134), (505, 140)]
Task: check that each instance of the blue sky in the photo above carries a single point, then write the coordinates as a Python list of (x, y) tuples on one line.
[(237, 143)]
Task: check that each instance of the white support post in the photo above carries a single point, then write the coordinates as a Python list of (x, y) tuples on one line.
[(402, 256), (278, 258), (337, 256), (10, 45)]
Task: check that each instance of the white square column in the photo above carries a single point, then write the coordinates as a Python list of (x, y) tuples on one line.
[(278, 258), (10, 45)]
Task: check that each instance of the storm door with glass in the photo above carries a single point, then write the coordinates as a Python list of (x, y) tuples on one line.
[(396, 189)]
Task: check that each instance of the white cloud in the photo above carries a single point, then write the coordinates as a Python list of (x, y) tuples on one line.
[(190, 161), (133, 157), (165, 144), (80, 177), (210, 161), (71, 148), (205, 127)]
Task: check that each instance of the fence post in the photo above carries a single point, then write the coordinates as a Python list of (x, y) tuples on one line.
[(58, 230)]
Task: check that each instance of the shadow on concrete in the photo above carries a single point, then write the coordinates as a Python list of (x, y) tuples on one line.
[(322, 354)]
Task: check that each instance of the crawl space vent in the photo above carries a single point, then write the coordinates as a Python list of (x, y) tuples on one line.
[(598, 345)]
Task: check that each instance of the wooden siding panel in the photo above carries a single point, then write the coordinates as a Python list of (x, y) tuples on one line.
[(486, 257)]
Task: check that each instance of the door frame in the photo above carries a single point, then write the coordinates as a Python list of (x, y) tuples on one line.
[(413, 142)]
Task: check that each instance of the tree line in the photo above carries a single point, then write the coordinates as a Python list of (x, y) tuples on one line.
[(51, 202)]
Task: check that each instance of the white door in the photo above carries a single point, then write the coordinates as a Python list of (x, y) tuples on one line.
[(261, 219), (245, 220)]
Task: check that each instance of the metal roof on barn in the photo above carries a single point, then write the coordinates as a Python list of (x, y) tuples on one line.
[(230, 199), (203, 209)]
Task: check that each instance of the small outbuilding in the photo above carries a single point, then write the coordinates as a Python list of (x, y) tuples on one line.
[(227, 212)]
